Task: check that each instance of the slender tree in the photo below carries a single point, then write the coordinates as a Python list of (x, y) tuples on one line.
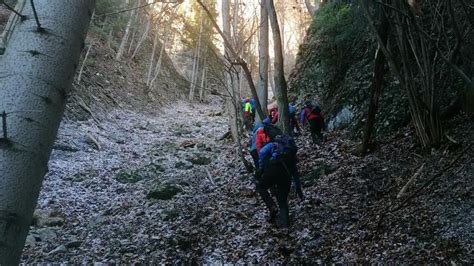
[(263, 57), (32, 101), (279, 75), (124, 41)]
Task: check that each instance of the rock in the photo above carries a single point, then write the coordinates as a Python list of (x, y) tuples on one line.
[(168, 215), (199, 159), (60, 249), (30, 241), (183, 165), (74, 244), (46, 218), (44, 234), (165, 192), (128, 176), (63, 147), (188, 144), (97, 221)]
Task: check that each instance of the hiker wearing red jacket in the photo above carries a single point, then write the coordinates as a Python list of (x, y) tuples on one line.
[(312, 114), (262, 139)]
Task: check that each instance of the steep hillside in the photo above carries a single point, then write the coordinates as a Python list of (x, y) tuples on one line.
[(336, 63)]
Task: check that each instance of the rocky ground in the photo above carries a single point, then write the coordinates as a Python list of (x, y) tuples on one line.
[(161, 187)]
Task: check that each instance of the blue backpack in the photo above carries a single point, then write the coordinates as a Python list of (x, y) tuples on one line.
[(286, 148)]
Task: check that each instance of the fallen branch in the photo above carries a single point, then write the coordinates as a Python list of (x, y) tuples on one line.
[(94, 141), (412, 179), (417, 193), (210, 177)]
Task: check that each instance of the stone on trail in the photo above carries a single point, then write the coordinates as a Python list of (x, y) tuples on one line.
[(46, 218), (60, 249), (199, 159), (164, 192)]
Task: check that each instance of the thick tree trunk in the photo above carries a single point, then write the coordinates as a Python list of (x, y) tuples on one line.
[(263, 58), (376, 87), (37, 71), (279, 75)]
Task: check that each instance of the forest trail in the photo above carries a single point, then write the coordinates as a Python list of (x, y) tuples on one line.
[(97, 206)]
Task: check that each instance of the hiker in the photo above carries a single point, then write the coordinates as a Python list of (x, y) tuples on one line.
[(312, 114), (248, 113), (275, 162), (254, 110), (268, 133), (293, 121), (273, 114), (253, 145)]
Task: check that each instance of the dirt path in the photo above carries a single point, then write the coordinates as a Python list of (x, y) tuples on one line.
[(102, 206)]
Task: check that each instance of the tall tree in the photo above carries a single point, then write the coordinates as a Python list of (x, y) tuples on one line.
[(124, 41), (279, 75), (235, 59), (263, 57), (32, 101)]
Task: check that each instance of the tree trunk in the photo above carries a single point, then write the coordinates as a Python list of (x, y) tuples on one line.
[(203, 84), (153, 52), (263, 58), (311, 8), (233, 111), (235, 59), (123, 43), (279, 75), (194, 76), (376, 87), (143, 37), (162, 50), (34, 95)]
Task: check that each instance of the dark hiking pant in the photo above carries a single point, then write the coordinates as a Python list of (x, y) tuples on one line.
[(254, 155), (277, 178), (315, 127)]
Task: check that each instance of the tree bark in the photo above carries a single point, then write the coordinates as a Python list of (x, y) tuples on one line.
[(33, 95), (311, 8), (263, 58), (279, 75), (377, 83)]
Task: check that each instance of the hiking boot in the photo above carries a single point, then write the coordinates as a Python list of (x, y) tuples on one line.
[(272, 217)]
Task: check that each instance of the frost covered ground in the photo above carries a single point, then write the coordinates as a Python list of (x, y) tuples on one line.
[(163, 188)]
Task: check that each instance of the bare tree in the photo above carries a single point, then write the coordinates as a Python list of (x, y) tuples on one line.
[(279, 75), (263, 57), (124, 41)]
